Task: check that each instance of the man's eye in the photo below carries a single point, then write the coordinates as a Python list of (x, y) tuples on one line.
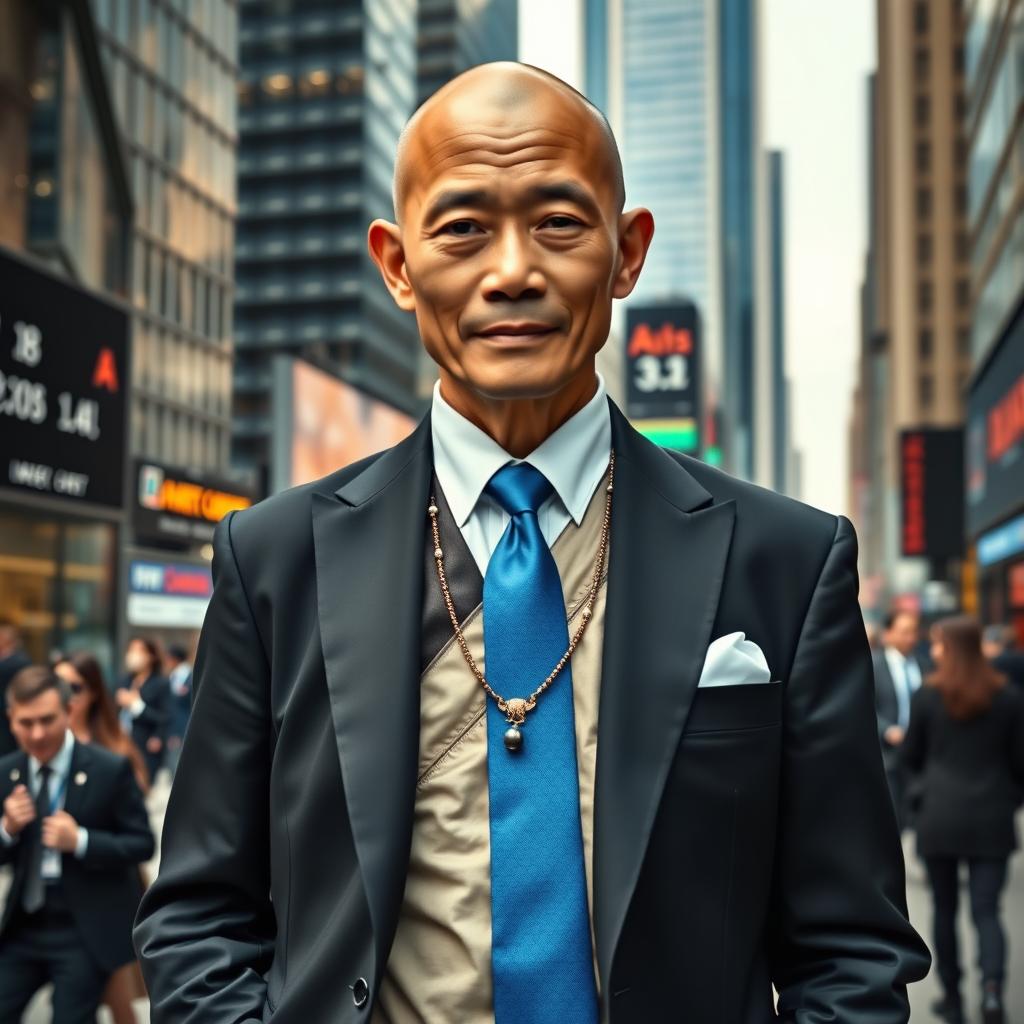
[(560, 220), (460, 228)]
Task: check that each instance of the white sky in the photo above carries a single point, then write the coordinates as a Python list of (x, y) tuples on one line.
[(816, 58)]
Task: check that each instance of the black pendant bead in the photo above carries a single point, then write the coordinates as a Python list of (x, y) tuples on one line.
[(513, 739)]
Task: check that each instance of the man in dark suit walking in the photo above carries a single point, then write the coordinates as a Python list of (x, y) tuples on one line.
[(897, 679), (75, 828), (659, 795), (12, 660)]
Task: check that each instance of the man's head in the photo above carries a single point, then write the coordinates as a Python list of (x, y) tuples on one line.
[(511, 240), (10, 638), (37, 707), (901, 631)]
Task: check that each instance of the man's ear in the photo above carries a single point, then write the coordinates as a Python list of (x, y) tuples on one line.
[(636, 229), (384, 241)]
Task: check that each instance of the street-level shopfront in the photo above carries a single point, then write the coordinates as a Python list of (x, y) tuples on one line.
[(167, 580), (995, 481), (63, 388)]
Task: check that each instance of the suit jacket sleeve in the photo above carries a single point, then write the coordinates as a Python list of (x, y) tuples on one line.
[(843, 948), (130, 841), (205, 930)]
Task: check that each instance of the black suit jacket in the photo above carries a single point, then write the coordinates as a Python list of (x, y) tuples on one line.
[(9, 668), (155, 719), (743, 834), (887, 709), (103, 888), (971, 775)]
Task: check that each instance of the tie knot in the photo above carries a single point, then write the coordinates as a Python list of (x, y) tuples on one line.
[(45, 771), (519, 488)]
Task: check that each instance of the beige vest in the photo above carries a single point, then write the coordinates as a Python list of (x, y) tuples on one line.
[(440, 963)]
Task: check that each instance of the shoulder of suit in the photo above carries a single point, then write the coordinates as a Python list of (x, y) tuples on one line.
[(781, 530), (265, 521), (9, 761), (95, 757)]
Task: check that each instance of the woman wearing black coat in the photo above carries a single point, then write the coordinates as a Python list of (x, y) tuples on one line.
[(144, 697), (966, 744)]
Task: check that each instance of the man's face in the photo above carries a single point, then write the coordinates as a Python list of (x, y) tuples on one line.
[(39, 725), (510, 233), (903, 634)]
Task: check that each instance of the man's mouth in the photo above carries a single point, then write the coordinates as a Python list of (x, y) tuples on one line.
[(516, 330)]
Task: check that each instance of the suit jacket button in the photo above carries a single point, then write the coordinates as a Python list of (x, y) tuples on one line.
[(360, 992)]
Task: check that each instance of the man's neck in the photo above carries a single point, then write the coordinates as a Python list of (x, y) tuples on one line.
[(519, 425)]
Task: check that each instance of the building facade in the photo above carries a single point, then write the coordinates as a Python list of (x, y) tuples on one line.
[(916, 299), (325, 91), (679, 80), (994, 61), (117, 123)]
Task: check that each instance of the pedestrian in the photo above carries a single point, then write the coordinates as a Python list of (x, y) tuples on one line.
[(999, 645), (74, 827), (897, 678), (179, 677), (144, 697), (12, 660), (966, 743), (93, 719), (666, 792)]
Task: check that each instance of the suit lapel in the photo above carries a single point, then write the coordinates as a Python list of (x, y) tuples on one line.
[(368, 539), (669, 546), (76, 792)]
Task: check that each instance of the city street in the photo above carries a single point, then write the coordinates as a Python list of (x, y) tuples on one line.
[(921, 996)]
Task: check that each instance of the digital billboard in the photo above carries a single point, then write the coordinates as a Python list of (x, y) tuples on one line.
[(663, 373), (63, 387), (931, 492), (322, 424)]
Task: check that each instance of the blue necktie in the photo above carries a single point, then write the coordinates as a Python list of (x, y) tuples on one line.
[(541, 952)]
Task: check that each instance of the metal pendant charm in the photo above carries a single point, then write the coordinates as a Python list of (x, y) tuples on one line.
[(513, 739)]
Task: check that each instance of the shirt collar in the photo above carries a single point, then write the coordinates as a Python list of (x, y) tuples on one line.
[(573, 459), (60, 763)]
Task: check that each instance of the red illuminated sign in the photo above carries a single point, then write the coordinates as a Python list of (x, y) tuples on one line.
[(931, 491), (1006, 422), (914, 524)]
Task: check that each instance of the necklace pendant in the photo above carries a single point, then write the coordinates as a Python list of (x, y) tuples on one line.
[(513, 739)]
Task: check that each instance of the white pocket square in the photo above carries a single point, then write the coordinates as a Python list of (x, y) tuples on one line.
[(733, 660)]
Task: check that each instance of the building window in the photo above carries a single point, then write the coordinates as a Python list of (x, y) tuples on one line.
[(958, 60), (924, 249), (923, 157), (921, 17), (925, 297), (963, 246), (924, 202), (922, 111), (925, 390), (921, 65), (963, 340), (925, 343), (960, 200), (963, 293)]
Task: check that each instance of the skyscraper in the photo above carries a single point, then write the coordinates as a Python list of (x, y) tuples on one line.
[(325, 90), (679, 82), (917, 295), (453, 35)]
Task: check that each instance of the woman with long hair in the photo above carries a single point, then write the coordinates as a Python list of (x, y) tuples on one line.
[(966, 744), (94, 720)]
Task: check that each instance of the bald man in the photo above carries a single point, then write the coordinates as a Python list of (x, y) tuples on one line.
[(527, 720)]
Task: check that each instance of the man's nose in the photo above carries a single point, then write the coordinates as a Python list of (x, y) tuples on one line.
[(515, 273)]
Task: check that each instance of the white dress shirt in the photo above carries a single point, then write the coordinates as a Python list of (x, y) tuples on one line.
[(573, 459), (906, 678), (60, 769)]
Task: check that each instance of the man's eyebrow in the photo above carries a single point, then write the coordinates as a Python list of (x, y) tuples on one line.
[(452, 199), (568, 191)]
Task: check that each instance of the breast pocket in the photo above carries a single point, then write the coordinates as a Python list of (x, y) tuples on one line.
[(732, 708)]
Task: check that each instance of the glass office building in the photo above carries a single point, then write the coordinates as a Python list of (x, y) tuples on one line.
[(171, 68), (452, 35), (325, 90), (678, 80)]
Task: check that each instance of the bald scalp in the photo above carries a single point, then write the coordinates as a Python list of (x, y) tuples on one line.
[(504, 86)]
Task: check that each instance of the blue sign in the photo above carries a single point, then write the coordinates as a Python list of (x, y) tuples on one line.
[(1001, 543)]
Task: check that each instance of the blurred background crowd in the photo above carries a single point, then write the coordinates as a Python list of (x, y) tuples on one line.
[(833, 307)]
